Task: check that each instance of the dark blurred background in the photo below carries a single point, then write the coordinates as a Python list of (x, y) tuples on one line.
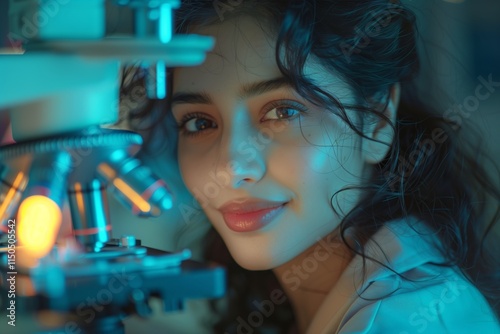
[(3, 20), (461, 42)]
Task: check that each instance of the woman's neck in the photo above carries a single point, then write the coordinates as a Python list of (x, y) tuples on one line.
[(310, 276)]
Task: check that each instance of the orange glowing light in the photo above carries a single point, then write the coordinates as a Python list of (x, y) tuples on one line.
[(10, 194), (79, 198), (107, 171), (39, 220), (132, 195)]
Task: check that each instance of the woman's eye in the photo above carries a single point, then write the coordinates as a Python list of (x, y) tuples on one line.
[(193, 124), (283, 112), (198, 124)]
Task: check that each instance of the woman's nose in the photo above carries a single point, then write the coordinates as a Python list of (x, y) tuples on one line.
[(244, 153)]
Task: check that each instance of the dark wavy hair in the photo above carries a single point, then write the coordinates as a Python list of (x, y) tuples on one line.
[(432, 171)]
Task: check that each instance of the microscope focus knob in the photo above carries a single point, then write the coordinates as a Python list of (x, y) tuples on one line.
[(127, 241), (140, 301)]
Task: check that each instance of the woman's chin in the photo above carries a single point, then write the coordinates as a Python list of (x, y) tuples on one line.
[(252, 261)]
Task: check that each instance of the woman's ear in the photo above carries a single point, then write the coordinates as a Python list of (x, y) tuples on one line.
[(380, 133)]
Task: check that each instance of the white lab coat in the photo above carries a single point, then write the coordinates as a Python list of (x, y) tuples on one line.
[(435, 300)]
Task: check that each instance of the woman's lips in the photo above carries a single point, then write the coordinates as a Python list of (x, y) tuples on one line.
[(251, 221)]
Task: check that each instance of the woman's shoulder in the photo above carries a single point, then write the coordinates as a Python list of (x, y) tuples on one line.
[(400, 287), (416, 294), (449, 304)]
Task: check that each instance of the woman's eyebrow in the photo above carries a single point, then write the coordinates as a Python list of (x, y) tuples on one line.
[(246, 91), (262, 87), (190, 98)]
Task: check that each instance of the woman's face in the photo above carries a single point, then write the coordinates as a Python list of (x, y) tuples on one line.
[(251, 136)]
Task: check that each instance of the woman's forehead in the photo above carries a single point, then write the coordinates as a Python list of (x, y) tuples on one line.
[(245, 52), (240, 35), (242, 51)]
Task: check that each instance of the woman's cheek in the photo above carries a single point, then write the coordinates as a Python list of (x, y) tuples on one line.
[(186, 168)]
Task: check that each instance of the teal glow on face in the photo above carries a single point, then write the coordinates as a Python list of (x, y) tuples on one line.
[(271, 144)]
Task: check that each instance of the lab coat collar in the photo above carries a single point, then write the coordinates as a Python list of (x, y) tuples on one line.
[(401, 245)]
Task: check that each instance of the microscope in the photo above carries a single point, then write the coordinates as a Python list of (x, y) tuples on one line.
[(60, 87)]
